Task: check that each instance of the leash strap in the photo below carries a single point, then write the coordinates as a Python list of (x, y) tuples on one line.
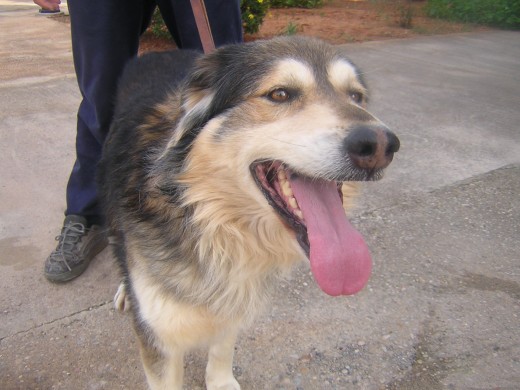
[(202, 21)]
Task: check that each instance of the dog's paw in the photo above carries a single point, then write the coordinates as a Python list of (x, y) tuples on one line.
[(121, 300), (223, 384)]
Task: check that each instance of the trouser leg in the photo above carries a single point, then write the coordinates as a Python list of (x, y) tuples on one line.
[(105, 35)]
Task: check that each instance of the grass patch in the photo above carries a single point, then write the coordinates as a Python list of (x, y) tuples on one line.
[(496, 13), (296, 3), (291, 29)]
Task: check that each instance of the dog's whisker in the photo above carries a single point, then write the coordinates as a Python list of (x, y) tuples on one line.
[(288, 143), (372, 70)]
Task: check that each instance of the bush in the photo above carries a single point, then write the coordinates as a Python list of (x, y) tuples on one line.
[(157, 26), (296, 3), (497, 13), (253, 13)]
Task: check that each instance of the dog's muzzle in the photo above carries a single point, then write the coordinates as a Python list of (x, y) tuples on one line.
[(371, 147)]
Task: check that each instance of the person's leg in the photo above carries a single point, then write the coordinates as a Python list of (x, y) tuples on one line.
[(105, 35), (224, 18)]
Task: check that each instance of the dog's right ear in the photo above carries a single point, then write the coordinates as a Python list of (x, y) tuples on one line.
[(228, 75), (213, 87), (218, 82), (200, 83), (197, 108)]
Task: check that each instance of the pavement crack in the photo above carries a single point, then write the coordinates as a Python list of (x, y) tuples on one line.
[(70, 315)]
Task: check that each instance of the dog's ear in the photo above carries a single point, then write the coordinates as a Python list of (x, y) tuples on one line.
[(201, 82), (197, 109), (219, 73), (201, 100), (228, 75), (217, 83)]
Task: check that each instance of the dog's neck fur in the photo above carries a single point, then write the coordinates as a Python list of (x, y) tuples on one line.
[(227, 271)]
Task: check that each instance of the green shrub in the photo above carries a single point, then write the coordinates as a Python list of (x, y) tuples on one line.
[(498, 13), (253, 13), (157, 26), (296, 3)]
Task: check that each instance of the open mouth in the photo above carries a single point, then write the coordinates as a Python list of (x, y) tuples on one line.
[(273, 178), (312, 208)]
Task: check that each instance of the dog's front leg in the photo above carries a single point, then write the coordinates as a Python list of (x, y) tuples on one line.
[(219, 371), (163, 371)]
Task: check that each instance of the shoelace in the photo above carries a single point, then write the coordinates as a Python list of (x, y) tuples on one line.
[(70, 235)]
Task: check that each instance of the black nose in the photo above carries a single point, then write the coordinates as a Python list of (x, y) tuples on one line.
[(371, 147)]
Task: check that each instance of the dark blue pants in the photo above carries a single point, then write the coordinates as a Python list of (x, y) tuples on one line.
[(105, 35)]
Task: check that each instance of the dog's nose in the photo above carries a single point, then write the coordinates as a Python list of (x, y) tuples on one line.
[(371, 147)]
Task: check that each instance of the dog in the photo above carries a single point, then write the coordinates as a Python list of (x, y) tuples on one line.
[(222, 171)]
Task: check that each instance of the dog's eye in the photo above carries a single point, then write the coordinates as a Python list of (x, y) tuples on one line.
[(357, 97), (279, 95)]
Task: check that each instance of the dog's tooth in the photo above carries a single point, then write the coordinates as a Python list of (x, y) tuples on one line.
[(298, 213), (281, 175), (286, 188), (293, 203)]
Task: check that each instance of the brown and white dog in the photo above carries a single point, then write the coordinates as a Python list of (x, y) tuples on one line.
[(220, 173)]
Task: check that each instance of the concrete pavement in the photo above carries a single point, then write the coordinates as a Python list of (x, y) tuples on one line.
[(442, 308)]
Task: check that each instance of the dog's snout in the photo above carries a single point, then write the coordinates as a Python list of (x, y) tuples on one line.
[(371, 147)]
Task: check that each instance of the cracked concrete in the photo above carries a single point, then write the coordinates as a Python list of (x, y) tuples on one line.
[(441, 310)]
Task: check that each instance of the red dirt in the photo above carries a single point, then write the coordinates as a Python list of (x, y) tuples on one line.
[(340, 21)]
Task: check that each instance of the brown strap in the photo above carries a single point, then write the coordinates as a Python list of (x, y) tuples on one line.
[(202, 21)]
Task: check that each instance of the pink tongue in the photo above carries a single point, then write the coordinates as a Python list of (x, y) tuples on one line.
[(340, 259)]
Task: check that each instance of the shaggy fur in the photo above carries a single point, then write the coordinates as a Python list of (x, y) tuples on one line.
[(200, 234)]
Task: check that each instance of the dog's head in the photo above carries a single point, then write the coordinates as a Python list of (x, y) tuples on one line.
[(277, 126)]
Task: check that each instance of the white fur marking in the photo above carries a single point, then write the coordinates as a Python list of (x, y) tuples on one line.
[(291, 71), (191, 111), (342, 75), (121, 301)]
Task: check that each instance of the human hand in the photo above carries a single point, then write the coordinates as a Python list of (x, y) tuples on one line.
[(50, 5)]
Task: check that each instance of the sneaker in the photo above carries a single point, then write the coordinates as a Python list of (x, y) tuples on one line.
[(77, 246), (48, 12)]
